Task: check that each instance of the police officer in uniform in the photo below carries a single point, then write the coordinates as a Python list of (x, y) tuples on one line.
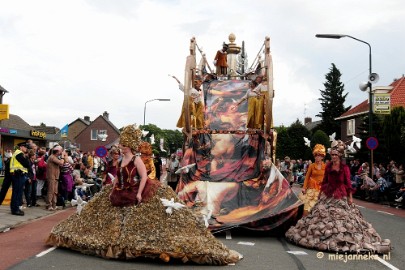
[(18, 169)]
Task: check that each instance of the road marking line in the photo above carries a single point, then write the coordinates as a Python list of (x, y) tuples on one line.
[(297, 252), (45, 252), (360, 206), (386, 213), (246, 243), (228, 235), (390, 266)]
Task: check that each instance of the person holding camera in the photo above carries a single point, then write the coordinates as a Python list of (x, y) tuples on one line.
[(57, 158)]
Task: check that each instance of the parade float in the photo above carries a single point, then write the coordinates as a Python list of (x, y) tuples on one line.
[(227, 171)]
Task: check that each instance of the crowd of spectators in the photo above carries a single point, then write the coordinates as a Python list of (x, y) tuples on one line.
[(387, 184)]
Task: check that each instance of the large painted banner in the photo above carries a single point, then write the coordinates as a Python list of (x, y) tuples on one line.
[(233, 185), (221, 111), (226, 176)]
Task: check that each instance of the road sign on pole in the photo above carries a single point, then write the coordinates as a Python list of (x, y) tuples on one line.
[(101, 151), (372, 143)]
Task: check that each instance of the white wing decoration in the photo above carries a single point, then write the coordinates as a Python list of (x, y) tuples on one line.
[(79, 202), (171, 205), (185, 169), (307, 142), (144, 133), (351, 149), (332, 137), (357, 141), (111, 177), (152, 139), (207, 217)]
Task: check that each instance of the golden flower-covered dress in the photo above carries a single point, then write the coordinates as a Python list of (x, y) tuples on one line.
[(143, 230)]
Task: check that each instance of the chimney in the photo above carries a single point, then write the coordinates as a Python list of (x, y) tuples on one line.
[(105, 115), (307, 120), (87, 118)]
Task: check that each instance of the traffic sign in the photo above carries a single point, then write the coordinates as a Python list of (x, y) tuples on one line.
[(372, 143), (101, 151)]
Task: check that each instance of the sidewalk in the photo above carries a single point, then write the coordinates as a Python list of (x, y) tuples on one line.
[(9, 221)]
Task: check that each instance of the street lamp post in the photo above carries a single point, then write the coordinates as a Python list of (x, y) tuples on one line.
[(369, 85), (144, 109)]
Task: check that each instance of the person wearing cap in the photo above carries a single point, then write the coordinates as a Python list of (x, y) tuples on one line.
[(19, 165), (313, 179)]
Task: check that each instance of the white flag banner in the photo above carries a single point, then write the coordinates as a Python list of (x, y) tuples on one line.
[(162, 145)]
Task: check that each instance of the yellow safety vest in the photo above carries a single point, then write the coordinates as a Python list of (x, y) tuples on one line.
[(15, 164)]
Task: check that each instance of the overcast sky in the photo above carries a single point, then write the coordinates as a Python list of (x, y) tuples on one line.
[(61, 60)]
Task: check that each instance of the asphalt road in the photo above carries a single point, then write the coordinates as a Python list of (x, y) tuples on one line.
[(260, 250)]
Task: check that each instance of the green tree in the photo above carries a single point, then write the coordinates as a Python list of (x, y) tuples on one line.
[(296, 133), (172, 139), (381, 153), (283, 145), (332, 102), (393, 124)]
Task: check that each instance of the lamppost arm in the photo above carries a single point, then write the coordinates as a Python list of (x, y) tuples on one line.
[(144, 108), (338, 36)]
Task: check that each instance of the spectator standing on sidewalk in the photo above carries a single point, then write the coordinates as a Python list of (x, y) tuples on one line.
[(57, 158), (18, 169), (6, 181), (171, 168), (158, 166), (41, 173), (31, 192), (286, 170)]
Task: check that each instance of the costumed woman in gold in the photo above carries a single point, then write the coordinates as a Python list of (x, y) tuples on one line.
[(195, 104), (313, 179), (256, 101), (138, 217), (146, 155)]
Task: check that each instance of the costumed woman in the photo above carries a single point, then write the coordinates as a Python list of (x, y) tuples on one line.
[(145, 149), (195, 105), (313, 179), (112, 166), (335, 224), (255, 118), (138, 217)]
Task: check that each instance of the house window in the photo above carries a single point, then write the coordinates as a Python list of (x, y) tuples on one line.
[(93, 135), (102, 135), (98, 134), (350, 127)]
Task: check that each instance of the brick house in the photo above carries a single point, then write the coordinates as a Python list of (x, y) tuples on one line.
[(88, 135), (351, 120)]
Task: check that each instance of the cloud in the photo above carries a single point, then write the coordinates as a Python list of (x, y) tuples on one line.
[(63, 60)]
